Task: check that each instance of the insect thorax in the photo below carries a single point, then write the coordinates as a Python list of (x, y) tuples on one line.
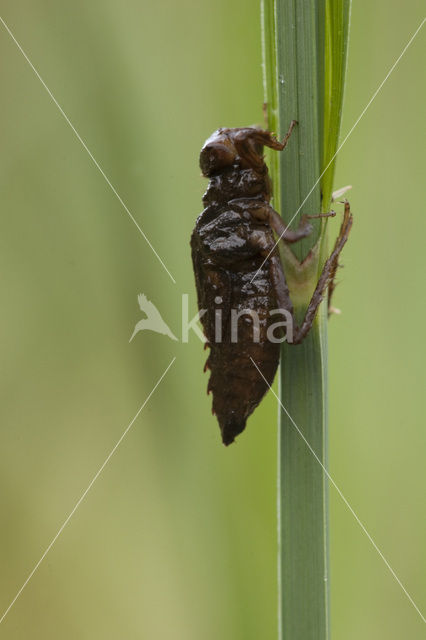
[(237, 183)]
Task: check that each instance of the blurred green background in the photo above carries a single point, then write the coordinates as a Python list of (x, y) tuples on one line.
[(177, 538)]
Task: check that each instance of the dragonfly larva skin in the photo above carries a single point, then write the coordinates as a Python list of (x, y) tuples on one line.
[(228, 249), (238, 271)]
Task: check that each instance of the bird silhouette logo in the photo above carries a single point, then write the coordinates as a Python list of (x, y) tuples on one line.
[(153, 320)]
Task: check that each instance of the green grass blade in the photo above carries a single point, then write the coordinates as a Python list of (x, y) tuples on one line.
[(304, 48), (336, 27), (303, 495), (298, 100)]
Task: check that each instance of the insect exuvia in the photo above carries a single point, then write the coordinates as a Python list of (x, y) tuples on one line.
[(237, 268)]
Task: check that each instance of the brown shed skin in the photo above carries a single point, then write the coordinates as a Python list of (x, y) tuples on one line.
[(237, 267), (228, 247)]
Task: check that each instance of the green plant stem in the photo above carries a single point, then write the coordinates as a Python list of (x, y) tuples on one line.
[(303, 495), (304, 47), (302, 488)]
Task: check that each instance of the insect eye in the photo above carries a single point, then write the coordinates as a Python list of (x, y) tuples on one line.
[(215, 157)]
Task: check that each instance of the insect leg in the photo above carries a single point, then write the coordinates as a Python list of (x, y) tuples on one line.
[(287, 135), (284, 232), (268, 249), (303, 230), (263, 212), (267, 139), (326, 278), (244, 140), (280, 285)]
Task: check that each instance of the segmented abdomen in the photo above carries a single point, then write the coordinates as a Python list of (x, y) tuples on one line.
[(235, 382), (224, 274)]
